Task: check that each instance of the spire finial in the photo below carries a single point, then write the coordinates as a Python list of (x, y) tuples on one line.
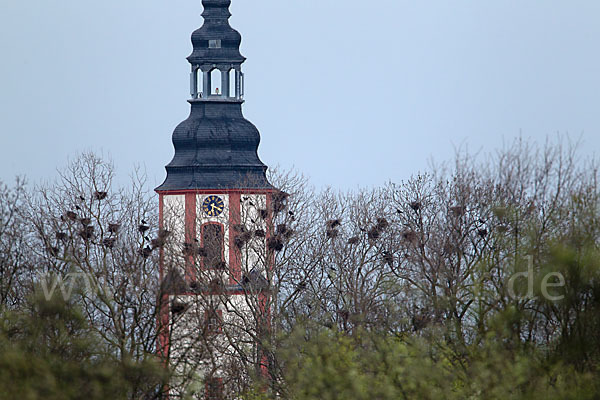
[(218, 9), (216, 42)]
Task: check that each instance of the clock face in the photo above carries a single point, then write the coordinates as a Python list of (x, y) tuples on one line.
[(213, 206)]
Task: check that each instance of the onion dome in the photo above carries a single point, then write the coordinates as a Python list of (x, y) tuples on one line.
[(216, 41)]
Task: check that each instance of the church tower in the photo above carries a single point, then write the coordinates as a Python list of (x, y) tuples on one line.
[(216, 207)]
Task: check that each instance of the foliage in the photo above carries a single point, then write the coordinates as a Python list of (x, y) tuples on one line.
[(51, 352)]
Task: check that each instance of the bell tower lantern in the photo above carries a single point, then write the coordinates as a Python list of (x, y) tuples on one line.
[(216, 59)]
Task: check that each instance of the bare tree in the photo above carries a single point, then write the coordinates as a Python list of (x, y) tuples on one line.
[(14, 264), (94, 244)]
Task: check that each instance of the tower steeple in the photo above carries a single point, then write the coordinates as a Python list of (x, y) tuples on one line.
[(217, 207), (216, 147)]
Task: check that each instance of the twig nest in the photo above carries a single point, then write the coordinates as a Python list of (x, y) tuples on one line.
[(457, 210), (410, 236), (333, 223), (109, 242), (100, 195), (388, 258), (85, 221), (87, 233), (332, 233), (114, 228), (275, 243)]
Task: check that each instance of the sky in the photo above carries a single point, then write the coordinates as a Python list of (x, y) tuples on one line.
[(350, 93)]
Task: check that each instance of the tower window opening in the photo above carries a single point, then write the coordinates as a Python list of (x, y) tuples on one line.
[(214, 44), (215, 80), (199, 82), (241, 83), (213, 245), (232, 83)]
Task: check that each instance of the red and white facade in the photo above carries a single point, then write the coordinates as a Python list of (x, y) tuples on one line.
[(211, 322)]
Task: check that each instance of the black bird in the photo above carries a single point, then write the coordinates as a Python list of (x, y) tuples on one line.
[(146, 252), (144, 222), (53, 251), (81, 198), (78, 208), (399, 211), (291, 213)]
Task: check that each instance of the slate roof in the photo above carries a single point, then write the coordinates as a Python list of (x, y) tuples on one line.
[(216, 27)]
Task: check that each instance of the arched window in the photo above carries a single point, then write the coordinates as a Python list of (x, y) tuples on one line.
[(213, 246), (214, 389), (215, 80), (232, 82)]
